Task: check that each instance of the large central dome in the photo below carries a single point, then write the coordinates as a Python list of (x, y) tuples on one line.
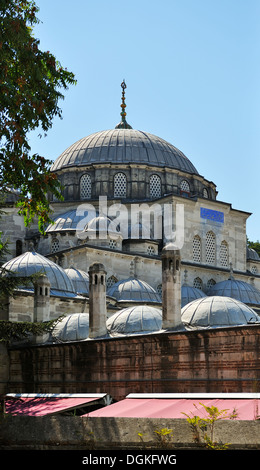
[(123, 146)]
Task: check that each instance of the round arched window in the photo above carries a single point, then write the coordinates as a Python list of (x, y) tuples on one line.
[(85, 187), (155, 186), (120, 185), (184, 186)]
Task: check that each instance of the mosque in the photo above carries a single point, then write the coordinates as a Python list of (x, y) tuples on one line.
[(140, 246)]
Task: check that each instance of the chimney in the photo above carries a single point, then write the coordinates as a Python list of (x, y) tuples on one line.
[(171, 287), (97, 300), (42, 299)]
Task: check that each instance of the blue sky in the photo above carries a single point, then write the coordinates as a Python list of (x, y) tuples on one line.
[(192, 69)]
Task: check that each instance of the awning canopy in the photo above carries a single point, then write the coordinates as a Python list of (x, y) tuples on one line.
[(246, 406), (48, 404)]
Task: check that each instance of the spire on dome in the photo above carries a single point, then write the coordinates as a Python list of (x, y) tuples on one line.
[(123, 124)]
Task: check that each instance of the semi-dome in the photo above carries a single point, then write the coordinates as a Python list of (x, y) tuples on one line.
[(135, 320), (80, 280), (74, 327), (31, 263), (133, 290), (216, 312), (189, 293), (252, 255), (101, 226), (123, 146), (236, 289), (75, 219)]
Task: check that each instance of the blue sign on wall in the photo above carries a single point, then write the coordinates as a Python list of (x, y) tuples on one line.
[(209, 214)]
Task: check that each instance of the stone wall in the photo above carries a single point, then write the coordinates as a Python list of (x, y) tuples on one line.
[(220, 360), (70, 433)]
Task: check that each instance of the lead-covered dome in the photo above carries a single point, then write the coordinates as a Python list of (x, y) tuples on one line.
[(216, 312), (135, 320), (31, 263), (80, 280), (239, 290), (74, 327), (133, 290), (123, 146)]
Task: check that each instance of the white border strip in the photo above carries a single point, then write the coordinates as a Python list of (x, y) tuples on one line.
[(56, 395), (195, 395)]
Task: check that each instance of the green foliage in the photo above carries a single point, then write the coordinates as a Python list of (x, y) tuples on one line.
[(254, 245), (200, 426), (10, 331), (163, 437), (31, 85)]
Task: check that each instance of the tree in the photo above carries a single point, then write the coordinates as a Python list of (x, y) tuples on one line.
[(31, 85), (254, 245)]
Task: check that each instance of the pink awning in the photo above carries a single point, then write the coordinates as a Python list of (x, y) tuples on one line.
[(246, 409), (41, 405)]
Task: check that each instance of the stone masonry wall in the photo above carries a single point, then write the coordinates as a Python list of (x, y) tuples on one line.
[(220, 360)]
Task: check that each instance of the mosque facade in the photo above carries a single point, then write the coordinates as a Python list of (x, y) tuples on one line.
[(149, 269), (127, 193)]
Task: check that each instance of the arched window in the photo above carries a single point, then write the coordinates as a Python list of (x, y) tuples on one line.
[(85, 187), (197, 283), (197, 249), (205, 193), (210, 248), (210, 283), (155, 186), (111, 281), (120, 185), (185, 187), (55, 245), (223, 253)]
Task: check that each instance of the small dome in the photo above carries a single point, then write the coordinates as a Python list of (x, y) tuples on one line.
[(123, 146), (74, 327), (31, 263), (133, 290), (188, 294), (239, 290), (80, 280), (252, 255), (75, 219), (100, 225), (135, 320), (216, 312)]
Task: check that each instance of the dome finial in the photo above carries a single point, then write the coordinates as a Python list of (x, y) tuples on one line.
[(123, 124)]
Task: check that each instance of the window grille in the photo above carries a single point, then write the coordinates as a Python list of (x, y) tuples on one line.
[(254, 270), (210, 283), (150, 250), (111, 281), (112, 244), (210, 248), (120, 185), (197, 249), (85, 187), (159, 289), (205, 193), (55, 245), (223, 254), (155, 186), (197, 283), (185, 186)]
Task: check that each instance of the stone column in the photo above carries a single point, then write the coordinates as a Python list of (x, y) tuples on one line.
[(42, 299), (97, 300), (171, 287)]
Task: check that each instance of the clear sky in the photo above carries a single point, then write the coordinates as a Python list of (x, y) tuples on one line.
[(192, 69)]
